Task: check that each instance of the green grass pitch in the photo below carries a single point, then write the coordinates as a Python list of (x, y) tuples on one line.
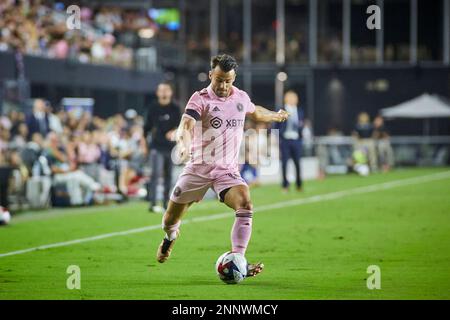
[(318, 248)]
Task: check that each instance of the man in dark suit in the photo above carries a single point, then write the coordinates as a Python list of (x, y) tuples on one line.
[(38, 121), (291, 138), (162, 121)]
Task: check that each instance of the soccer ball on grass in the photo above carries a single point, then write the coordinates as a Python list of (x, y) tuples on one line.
[(231, 267)]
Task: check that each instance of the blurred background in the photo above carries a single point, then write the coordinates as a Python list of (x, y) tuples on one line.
[(95, 82)]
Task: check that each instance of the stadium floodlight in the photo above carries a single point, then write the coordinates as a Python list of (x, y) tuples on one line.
[(202, 77), (282, 76)]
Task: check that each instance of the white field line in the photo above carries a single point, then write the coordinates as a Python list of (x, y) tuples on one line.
[(283, 204)]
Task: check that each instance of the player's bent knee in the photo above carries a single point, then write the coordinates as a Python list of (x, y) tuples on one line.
[(246, 204)]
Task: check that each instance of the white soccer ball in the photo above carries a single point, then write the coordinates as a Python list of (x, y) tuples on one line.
[(231, 267), (5, 216)]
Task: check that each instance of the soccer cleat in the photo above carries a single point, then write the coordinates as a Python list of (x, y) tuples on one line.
[(156, 209), (165, 248), (254, 269)]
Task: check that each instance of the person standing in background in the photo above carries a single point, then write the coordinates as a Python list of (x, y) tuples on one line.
[(162, 121), (383, 144), (291, 139)]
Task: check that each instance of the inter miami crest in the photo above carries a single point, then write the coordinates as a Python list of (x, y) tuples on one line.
[(240, 107), (216, 122), (177, 191)]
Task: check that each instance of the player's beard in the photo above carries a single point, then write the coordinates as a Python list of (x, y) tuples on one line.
[(223, 94)]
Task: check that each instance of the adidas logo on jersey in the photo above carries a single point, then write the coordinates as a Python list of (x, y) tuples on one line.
[(216, 108)]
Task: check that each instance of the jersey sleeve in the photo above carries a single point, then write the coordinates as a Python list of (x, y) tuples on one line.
[(249, 105), (194, 107)]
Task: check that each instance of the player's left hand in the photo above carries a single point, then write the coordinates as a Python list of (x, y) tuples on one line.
[(281, 116), (170, 135)]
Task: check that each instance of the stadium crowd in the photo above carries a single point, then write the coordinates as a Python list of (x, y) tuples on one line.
[(110, 35), (36, 28), (83, 154)]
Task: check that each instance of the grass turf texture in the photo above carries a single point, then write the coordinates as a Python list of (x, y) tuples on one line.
[(317, 250)]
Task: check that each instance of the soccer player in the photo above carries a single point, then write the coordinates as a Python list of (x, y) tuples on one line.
[(209, 135)]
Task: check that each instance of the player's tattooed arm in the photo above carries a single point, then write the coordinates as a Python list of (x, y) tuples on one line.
[(262, 114), (183, 138)]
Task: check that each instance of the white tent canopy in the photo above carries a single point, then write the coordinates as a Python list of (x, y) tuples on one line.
[(422, 107)]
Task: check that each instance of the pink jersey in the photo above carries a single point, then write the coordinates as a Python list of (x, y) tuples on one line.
[(219, 130)]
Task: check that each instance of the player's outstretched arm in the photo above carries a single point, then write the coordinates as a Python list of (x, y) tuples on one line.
[(262, 114), (183, 138)]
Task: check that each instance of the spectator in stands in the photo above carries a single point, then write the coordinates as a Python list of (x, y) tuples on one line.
[(363, 139), (291, 139), (59, 48), (32, 151), (20, 139), (70, 143), (36, 143), (383, 144), (4, 139), (54, 120), (5, 174), (79, 185), (139, 148), (138, 152), (88, 154), (99, 51), (39, 185), (163, 117), (102, 140), (38, 121), (14, 119), (121, 151), (5, 123)]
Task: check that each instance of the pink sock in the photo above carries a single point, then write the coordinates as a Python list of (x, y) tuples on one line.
[(242, 230), (171, 231)]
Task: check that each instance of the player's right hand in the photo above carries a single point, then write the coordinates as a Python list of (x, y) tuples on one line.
[(281, 116)]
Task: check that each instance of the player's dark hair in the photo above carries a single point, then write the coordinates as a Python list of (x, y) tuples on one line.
[(225, 62), (167, 83)]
